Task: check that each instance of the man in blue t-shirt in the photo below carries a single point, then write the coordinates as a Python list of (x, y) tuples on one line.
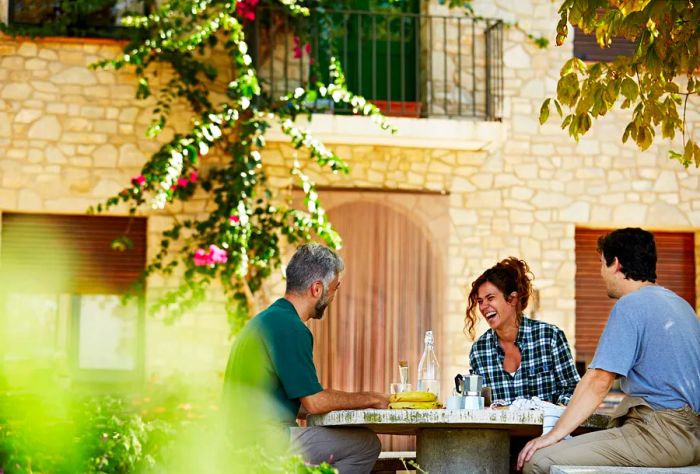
[(271, 372), (652, 343)]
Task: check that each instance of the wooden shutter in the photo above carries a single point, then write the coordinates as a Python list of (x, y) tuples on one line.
[(675, 270), (586, 47), (71, 253)]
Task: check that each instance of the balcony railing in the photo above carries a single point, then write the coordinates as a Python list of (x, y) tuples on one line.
[(407, 64)]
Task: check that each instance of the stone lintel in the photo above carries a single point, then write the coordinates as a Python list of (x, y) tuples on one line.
[(443, 133)]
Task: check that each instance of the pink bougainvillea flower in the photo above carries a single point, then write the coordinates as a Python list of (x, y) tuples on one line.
[(139, 180), (200, 258), (307, 48), (212, 257), (182, 182), (193, 177), (246, 9), (173, 187), (234, 219), (217, 255)]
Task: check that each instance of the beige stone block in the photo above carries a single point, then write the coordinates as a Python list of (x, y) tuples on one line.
[(128, 114), (516, 58), (126, 129), (543, 149), (86, 149), (92, 112), (577, 212), (544, 200), (544, 216), (105, 126), (8, 199), (16, 91), (105, 77), (76, 75), (106, 156), (69, 204), (5, 127), (663, 214), (57, 108), (130, 156), (28, 200), (46, 128), (77, 124), (48, 54), (127, 92), (13, 63), (97, 92), (107, 188), (666, 182), (95, 138), (55, 156), (35, 64), (35, 156), (521, 217), (67, 149), (601, 214), (630, 214), (526, 171), (521, 193), (506, 181), (27, 49)]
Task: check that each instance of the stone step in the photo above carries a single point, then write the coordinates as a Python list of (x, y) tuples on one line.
[(623, 470)]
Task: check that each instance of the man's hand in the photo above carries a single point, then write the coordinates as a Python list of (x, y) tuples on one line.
[(532, 446), (381, 400)]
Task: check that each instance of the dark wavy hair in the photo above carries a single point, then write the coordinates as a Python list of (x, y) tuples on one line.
[(634, 248), (509, 275)]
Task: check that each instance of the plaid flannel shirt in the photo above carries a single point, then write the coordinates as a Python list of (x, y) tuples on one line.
[(546, 367)]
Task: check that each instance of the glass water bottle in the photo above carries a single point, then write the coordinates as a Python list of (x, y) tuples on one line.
[(428, 368)]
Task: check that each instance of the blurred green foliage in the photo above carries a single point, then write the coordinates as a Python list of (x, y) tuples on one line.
[(166, 427)]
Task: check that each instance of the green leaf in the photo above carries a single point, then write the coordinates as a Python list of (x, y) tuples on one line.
[(629, 89), (544, 111)]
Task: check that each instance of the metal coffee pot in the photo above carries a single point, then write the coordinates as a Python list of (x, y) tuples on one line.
[(470, 387)]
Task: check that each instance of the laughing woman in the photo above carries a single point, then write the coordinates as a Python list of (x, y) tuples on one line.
[(517, 356)]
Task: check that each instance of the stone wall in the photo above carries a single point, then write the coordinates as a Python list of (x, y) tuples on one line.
[(70, 137)]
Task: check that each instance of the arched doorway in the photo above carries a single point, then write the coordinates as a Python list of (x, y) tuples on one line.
[(391, 293)]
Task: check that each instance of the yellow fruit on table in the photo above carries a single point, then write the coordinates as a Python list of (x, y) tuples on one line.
[(415, 405), (413, 397)]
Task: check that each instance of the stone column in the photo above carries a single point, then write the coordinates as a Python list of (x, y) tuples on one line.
[(447, 451)]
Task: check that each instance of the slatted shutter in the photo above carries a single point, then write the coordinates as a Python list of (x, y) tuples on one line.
[(675, 270), (71, 253), (586, 47)]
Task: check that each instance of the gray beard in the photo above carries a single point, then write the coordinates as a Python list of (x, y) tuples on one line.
[(321, 305)]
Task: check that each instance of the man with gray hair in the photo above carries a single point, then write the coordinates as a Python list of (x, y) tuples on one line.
[(279, 339)]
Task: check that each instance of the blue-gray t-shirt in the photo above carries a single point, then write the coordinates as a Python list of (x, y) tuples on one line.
[(652, 339)]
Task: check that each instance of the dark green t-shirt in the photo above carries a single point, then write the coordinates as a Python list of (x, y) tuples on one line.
[(272, 355)]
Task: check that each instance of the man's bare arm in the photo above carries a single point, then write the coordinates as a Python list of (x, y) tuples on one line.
[(589, 393), (329, 400)]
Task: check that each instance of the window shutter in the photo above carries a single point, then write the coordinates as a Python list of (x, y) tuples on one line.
[(675, 270), (71, 253), (587, 49)]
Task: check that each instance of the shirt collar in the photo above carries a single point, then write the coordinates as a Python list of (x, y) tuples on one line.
[(524, 335)]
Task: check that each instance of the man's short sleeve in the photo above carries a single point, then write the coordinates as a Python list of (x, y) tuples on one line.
[(618, 346), (293, 360)]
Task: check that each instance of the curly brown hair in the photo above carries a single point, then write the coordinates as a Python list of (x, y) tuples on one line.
[(509, 275)]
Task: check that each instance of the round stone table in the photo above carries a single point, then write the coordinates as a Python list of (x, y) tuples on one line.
[(453, 441)]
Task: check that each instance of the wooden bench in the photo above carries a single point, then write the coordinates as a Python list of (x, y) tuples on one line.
[(391, 461), (623, 470)]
